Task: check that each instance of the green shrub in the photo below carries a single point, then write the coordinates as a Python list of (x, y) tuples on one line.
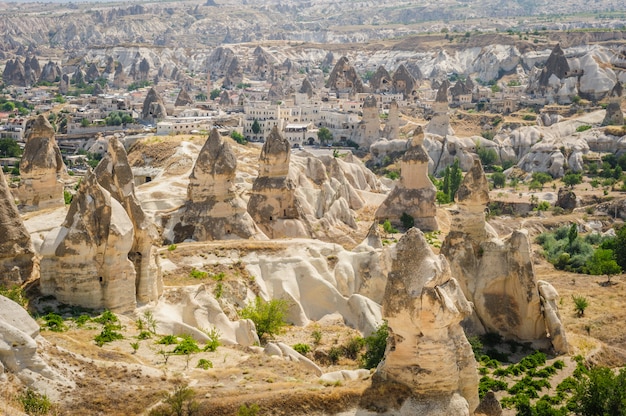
[(168, 340), (204, 364), (198, 274), (353, 347), (171, 247), (393, 174), (375, 346), (238, 137), (316, 335), (107, 334), (15, 293), (187, 345), (107, 317), (144, 335), (214, 340), (389, 229), (582, 128), (268, 317), (580, 304), (251, 410), (34, 403), (334, 355), (542, 206), (54, 322), (81, 320), (67, 196), (178, 403), (487, 384), (303, 349)]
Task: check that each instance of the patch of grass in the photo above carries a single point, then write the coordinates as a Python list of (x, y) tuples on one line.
[(168, 340), (34, 403), (198, 274), (303, 349), (204, 364)]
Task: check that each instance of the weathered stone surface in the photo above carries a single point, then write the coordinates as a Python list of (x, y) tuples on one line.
[(429, 367), (114, 174), (344, 78), (381, 81), (51, 72), (92, 73), (549, 301), (214, 211), (153, 107), (497, 275), (614, 115), (404, 83), (16, 249), (392, 126), (566, 199), (369, 127), (183, 98), (556, 65), (41, 169), (307, 88), (85, 261), (415, 193), (18, 348), (272, 204), (439, 124), (489, 406)]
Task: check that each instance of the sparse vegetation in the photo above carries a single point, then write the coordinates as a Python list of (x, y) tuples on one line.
[(389, 229), (15, 293), (34, 403), (375, 346), (580, 304), (268, 316), (303, 349)]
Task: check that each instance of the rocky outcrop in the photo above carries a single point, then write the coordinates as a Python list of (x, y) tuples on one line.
[(64, 84), (153, 107), (18, 349), (214, 211), (41, 169), (439, 124), (234, 74), (14, 73), (92, 73), (369, 127), (272, 204), (414, 195), (392, 126), (183, 98), (114, 175), (381, 81), (566, 199), (86, 262), (344, 78), (489, 406), (307, 88), (497, 275), (51, 72), (614, 115), (225, 99), (429, 367), (404, 83), (555, 66), (16, 249), (119, 77)]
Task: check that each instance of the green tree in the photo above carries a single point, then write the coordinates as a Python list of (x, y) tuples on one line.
[(456, 177), (238, 137), (572, 179), (10, 148), (201, 96), (499, 180), (535, 186), (603, 263), (324, 135), (580, 304), (9, 106), (178, 403), (215, 93), (84, 122), (256, 127), (488, 156), (268, 317), (620, 247), (572, 234), (542, 178), (599, 391), (375, 346)]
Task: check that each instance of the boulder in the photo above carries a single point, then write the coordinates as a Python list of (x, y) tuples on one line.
[(415, 194), (214, 211), (114, 175), (489, 406), (566, 199), (16, 249), (41, 169), (429, 367), (86, 262)]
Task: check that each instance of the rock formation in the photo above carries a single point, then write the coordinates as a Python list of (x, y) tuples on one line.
[(497, 275), (64, 84), (114, 175), (183, 98), (234, 74), (41, 169), (18, 349), (344, 79), (429, 367), (369, 127), (614, 115), (566, 199), (225, 99), (414, 194), (392, 126), (119, 77), (92, 73), (272, 204), (440, 122), (14, 73), (153, 107), (307, 88), (381, 80), (213, 210), (51, 72), (555, 66), (16, 249), (85, 261), (404, 83)]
